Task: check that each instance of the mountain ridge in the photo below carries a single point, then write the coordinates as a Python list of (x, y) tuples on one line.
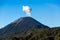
[(22, 25), (27, 28)]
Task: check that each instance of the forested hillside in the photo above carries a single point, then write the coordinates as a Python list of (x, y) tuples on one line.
[(40, 34)]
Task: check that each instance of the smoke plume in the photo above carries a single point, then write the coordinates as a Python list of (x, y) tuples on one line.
[(27, 10)]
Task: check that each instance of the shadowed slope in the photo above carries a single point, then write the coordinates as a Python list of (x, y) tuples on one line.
[(21, 26)]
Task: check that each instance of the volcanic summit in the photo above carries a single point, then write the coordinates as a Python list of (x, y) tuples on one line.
[(21, 26)]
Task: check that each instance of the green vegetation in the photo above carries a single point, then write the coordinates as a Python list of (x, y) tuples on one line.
[(38, 34)]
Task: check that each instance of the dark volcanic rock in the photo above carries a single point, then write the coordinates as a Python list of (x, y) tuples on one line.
[(21, 25)]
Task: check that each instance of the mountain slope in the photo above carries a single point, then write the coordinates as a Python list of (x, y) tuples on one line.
[(21, 26)]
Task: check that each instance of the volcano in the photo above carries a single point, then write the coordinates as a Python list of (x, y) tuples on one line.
[(21, 26)]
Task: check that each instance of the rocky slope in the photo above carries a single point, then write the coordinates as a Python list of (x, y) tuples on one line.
[(21, 26)]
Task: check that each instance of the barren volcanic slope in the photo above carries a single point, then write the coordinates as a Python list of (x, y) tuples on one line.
[(21, 26)]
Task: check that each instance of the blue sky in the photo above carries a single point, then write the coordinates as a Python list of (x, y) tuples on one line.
[(45, 11)]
